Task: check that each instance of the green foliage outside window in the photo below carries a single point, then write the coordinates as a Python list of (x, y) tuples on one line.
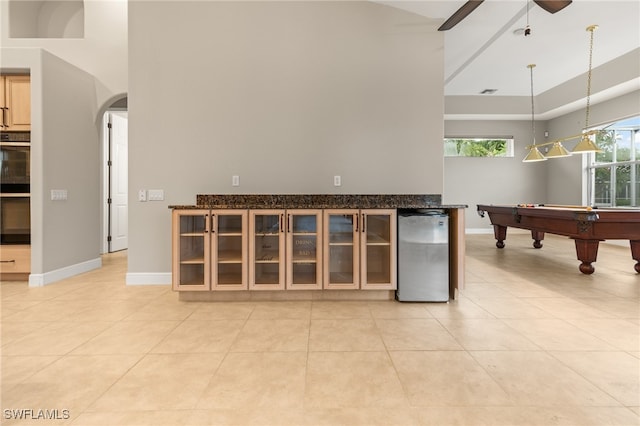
[(478, 147)]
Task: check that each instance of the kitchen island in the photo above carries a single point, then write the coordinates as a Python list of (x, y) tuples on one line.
[(298, 246)]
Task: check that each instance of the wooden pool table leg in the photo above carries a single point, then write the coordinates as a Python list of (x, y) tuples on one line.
[(500, 232), (587, 251), (537, 238), (635, 254)]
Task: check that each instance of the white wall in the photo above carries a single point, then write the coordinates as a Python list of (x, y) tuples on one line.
[(71, 147), (502, 180), (64, 155), (284, 94)]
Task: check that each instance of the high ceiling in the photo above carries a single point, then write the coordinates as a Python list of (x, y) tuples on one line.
[(488, 50)]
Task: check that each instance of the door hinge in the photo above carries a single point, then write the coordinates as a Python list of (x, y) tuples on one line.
[(109, 125), (109, 238), (109, 163), (108, 200)]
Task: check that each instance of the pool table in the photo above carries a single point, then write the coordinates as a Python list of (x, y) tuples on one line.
[(586, 226)]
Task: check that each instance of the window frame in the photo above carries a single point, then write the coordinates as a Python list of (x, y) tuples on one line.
[(509, 141), (592, 165)]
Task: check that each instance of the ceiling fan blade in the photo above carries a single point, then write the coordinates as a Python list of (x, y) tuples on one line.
[(552, 6), (460, 14)]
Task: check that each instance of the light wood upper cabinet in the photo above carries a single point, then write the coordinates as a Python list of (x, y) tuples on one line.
[(15, 101)]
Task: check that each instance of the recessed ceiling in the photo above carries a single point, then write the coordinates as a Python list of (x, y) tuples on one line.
[(488, 50)]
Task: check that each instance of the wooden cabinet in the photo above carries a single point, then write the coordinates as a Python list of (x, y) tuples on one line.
[(191, 250), (15, 261), (15, 102), (304, 249), (285, 249), (229, 250), (297, 249), (209, 250), (341, 265), (378, 254), (360, 249), (266, 250)]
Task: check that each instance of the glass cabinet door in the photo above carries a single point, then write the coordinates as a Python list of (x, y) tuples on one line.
[(378, 249), (341, 249), (229, 250), (266, 250), (191, 250), (304, 249)]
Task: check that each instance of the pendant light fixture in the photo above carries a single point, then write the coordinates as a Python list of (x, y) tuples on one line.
[(534, 152), (558, 150), (586, 143)]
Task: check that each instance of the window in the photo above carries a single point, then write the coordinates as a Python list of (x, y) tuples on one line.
[(478, 147), (614, 173)]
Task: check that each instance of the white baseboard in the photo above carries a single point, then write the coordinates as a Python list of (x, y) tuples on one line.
[(148, 278), (473, 231), (39, 280)]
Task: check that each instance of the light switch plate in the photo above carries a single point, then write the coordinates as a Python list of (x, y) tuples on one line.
[(235, 180), (156, 195), (142, 195), (337, 181), (58, 194)]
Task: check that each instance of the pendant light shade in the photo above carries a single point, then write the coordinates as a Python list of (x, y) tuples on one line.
[(534, 155), (557, 150), (586, 145)]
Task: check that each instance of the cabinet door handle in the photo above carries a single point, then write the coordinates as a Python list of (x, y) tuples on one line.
[(8, 261), (289, 223), (4, 117), (364, 222), (212, 227), (206, 223), (357, 220), (281, 224)]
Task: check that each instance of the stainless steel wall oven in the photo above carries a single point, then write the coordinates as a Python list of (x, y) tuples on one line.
[(15, 189)]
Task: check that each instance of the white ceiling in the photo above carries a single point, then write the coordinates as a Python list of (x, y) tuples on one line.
[(487, 50)]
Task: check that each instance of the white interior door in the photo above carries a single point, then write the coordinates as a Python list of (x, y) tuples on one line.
[(119, 181)]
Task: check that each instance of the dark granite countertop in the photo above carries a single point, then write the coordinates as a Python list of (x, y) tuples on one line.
[(318, 201)]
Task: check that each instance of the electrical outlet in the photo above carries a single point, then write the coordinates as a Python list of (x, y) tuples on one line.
[(142, 195), (235, 180), (337, 181)]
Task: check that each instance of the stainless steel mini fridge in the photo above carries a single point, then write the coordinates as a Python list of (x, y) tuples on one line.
[(423, 256)]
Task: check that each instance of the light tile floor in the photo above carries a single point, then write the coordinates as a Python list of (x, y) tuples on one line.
[(531, 341)]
